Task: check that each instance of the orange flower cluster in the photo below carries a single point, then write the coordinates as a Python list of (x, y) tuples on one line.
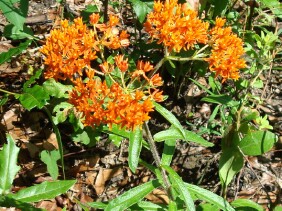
[(227, 50), (103, 104), (176, 26), (128, 100), (70, 49)]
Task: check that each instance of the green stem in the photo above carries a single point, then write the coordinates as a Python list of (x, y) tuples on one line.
[(7, 92), (59, 140), (179, 59)]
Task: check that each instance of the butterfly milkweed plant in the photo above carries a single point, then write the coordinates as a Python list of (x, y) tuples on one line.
[(101, 78)]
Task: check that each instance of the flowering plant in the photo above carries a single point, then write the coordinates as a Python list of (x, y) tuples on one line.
[(95, 82)]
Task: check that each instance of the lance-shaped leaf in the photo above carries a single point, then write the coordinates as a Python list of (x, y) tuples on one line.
[(43, 191), (135, 146), (8, 164), (173, 134), (209, 196), (132, 196), (178, 183), (170, 118)]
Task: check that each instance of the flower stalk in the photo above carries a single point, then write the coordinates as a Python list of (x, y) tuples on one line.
[(157, 159)]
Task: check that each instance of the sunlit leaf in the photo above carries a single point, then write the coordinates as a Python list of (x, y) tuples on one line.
[(142, 8), (50, 159), (33, 97), (257, 142), (132, 196), (135, 146), (8, 164), (43, 191), (6, 56), (174, 134), (178, 183)]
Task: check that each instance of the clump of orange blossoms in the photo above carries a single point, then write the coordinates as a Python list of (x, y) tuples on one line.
[(114, 104), (127, 99), (176, 26), (227, 50), (70, 49)]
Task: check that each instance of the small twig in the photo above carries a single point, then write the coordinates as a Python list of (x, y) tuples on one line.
[(253, 171), (237, 184)]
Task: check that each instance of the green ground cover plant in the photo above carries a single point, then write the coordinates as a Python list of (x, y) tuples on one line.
[(95, 82)]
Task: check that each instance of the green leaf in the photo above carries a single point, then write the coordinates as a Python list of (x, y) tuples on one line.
[(278, 208), (6, 56), (56, 89), (220, 7), (230, 163), (8, 201), (4, 99), (15, 33), (218, 99), (172, 206), (135, 146), (207, 207), (169, 147), (98, 205), (8, 164), (180, 186), (142, 8), (116, 139), (132, 196), (258, 84), (170, 118), (201, 86), (246, 204), (173, 134), (209, 196), (147, 206), (33, 97), (44, 191), (88, 136), (50, 159), (117, 131), (257, 142), (15, 15), (61, 110), (32, 79)]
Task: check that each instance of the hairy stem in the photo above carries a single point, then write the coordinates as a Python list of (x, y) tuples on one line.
[(157, 159)]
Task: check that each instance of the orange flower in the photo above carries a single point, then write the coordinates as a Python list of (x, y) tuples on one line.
[(121, 63), (94, 18), (176, 26), (156, 80), (227, 51), (100, 104), (106, 67), (127, 107), (157, 95), (145, 66), (68, 50)]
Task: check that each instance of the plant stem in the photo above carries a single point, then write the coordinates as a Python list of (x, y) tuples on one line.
[(7, 92), (59, 140), (157, 159)]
